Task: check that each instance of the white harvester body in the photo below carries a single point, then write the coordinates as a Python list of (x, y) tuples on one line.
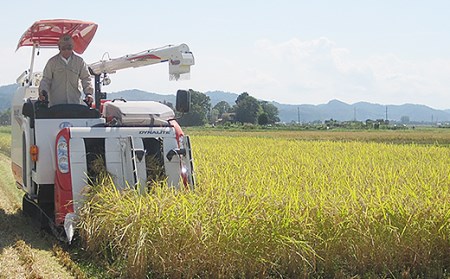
[(55, 150)]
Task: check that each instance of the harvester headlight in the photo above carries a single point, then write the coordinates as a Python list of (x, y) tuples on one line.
[(183, 169), (62, 155)]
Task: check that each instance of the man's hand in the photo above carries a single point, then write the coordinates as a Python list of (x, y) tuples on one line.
[(89, 100), (43, 96)]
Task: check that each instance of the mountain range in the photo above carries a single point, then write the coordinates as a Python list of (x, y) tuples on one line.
[(334, 109)]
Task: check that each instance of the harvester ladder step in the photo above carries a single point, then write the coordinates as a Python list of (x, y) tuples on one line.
[(134, 162)]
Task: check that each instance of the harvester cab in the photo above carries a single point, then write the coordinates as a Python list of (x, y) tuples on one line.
[(56, 151)]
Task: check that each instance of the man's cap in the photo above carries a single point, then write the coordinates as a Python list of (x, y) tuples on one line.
[(65, 41)]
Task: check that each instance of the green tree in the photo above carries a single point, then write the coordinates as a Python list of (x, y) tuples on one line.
[(271, 112), (222, 107), (5, 117), (214, 116), (241, 97), (247, 108), (198, 114), (404, 119), (263, 119)]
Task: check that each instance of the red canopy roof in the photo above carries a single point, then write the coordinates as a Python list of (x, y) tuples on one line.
[(47, 33)]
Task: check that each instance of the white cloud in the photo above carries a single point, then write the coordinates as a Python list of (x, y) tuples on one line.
[(309, 71), (294, 71), (318, 70)]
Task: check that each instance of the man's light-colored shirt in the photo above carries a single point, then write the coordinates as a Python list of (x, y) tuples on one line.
[(62, 80)]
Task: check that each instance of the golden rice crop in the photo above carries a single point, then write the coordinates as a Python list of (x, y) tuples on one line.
[(280, 207), (422, 135), (5, 140)]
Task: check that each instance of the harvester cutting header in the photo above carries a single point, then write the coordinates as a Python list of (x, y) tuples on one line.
[(53, 147)]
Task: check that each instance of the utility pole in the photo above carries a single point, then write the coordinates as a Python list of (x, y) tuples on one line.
[(386, 113), (298, 115)]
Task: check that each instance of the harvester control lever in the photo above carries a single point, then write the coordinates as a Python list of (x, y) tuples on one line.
[(42, 101)]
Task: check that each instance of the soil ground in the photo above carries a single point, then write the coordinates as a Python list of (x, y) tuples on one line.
[(25, 250)]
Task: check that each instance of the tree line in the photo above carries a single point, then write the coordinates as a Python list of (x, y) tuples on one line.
[(5, 118), (246, 109)]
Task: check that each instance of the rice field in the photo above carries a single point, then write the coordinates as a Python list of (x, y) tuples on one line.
[(5, 139), (277, 206)]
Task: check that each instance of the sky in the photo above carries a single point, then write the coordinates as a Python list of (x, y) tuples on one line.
[(288, 51)]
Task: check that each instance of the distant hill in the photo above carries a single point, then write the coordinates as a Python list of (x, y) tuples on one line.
[(334, 109), (218, 96), (139, 95), (361, 111), (6, 95), (341, 111)]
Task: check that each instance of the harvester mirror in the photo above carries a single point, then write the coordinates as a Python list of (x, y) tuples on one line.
[(183, 101)]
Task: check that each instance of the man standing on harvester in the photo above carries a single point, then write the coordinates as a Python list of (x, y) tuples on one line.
[(62, 75)]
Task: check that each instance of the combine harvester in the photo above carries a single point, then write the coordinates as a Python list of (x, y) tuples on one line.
[(53, 148)]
